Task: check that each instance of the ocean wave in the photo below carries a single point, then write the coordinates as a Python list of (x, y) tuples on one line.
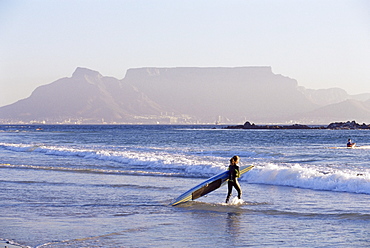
[(167, 162), (142, 158), (83, 170), (310, 177)]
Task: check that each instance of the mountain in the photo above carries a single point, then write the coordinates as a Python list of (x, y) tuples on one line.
[(324, 97), (185, 95), (87, 96), (347, 110), (232, 94)]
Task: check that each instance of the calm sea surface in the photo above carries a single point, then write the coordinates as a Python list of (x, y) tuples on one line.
[(111, 186)]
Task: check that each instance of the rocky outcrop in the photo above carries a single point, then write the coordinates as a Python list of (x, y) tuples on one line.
[(337, 125), (348, 125), (249, 125)]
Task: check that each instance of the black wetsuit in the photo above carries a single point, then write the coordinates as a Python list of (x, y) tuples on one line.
[(234, 173)]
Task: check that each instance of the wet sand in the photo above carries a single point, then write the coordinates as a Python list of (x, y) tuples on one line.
[(8, 244)]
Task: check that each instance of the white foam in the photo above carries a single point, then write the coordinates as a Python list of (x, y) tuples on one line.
[(310, 178), (236, 201), (149, 158)]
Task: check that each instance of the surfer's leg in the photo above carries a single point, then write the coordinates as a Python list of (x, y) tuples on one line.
[(238, 188), (229, 190)]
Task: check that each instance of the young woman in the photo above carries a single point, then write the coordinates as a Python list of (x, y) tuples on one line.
[(234, 174)]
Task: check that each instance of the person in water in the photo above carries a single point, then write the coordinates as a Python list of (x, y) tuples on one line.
[(350, 144), (234, 174)]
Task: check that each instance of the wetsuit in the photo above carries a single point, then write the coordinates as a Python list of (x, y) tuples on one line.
[(234, 173), (350, 144)]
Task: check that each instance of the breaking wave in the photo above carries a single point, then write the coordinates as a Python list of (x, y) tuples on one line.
[(153, 161)]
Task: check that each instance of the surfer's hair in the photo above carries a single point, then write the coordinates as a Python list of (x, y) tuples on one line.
[(234, 160)]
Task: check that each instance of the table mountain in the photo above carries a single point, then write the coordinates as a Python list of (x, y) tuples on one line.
[(184, 95), (235, 94)]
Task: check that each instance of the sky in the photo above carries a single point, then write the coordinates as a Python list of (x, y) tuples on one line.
[(320, 43)]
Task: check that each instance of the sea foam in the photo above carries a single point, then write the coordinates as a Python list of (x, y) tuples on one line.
[(189, 165), (310, 177)]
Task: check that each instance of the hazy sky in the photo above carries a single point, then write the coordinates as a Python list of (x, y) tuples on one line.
[(320, 43)]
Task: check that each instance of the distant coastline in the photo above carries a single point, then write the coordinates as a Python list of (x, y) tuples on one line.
[(349, 125)]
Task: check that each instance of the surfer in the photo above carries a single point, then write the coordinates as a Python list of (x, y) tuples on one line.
[(234, 173), (350, 144)]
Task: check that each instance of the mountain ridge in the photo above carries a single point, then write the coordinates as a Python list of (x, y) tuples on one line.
[(183, 95), (87, 96)]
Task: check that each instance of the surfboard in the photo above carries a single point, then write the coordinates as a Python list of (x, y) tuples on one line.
[(207, 186), (352, 147)]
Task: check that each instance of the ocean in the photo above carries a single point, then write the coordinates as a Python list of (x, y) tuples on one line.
[(112, 185)]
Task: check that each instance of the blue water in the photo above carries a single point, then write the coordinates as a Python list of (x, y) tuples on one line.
[(110, 186)]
